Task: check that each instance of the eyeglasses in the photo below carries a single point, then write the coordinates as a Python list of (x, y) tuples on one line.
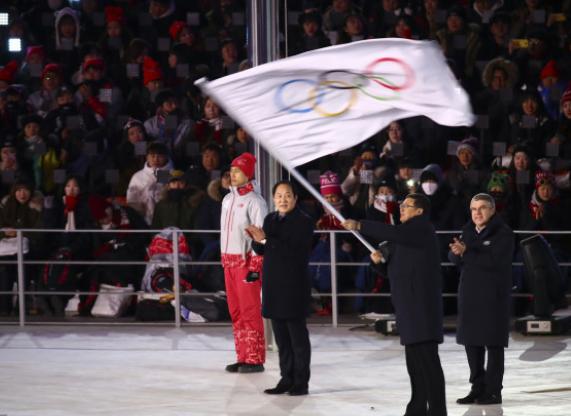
[(403, 205)]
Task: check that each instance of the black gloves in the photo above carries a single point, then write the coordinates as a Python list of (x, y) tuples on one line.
[(252, 277)]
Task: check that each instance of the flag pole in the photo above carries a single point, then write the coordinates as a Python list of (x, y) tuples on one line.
[(299, 177), (202, 83)]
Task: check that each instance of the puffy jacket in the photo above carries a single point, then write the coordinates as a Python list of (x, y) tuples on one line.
[(240, 208), (144, 190)]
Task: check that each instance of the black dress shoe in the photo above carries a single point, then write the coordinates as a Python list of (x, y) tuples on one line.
[(489, 399), (298, 391), (469, 399), (281, 388), (233, 368), (250, 368)]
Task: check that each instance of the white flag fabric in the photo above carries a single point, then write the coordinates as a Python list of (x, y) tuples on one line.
[(320, 102)]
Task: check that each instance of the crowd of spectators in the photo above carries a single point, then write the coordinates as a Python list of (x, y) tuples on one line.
[(101, 125)]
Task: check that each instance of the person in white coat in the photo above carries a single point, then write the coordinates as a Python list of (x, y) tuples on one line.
[(242, 207), (144, 189)]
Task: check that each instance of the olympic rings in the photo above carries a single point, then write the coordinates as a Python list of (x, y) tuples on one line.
[(279, 95), (368, 83), (323, 78), (350, 102), (408, 73)]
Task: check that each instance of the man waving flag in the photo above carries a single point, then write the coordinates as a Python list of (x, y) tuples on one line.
[(327, 100), (320, 102)]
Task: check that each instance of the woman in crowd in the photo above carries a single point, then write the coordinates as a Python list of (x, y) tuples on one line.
[(17, 210)]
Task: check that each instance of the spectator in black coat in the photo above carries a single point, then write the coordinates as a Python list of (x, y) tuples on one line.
[(530, 125), (416, 289), (444, 214), (484, 253), (522, 170), (18, 210), (466, 176), (285, 241)]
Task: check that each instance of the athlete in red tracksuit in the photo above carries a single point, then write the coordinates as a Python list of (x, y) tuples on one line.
[(242, 207)]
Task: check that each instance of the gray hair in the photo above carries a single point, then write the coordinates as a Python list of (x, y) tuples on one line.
[(484, 197)]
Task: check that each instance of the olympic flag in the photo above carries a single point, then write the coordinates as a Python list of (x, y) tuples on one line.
[(320, 102)]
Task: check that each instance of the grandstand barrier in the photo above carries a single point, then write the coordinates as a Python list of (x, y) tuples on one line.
[(22, 293)]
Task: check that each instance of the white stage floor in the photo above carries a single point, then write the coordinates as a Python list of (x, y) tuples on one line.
[(162, 371)]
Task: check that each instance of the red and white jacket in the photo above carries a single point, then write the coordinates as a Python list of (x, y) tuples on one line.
[(243, 206)]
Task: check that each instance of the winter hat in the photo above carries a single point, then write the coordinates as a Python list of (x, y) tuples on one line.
[(60, 15), (389, 182), (98, 207), (51, 68), (498, 180), (113, 14), (468, 143), (544, 178), (566, 95), (151, 70), (176, 27), (509, 67), (246, 162), (549, 70), (96, 63), (8, 71), (35, 50), (329, 184), (431, 172)]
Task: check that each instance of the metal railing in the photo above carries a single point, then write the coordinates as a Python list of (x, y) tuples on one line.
[(176, 264)]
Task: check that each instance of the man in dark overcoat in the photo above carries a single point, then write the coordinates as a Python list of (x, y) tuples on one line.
[(285, 242), (416, 291), (484, 253)]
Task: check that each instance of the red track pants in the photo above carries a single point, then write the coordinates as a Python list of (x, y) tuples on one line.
[(245, 305)]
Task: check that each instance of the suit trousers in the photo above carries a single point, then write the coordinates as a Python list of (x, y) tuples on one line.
[(428, 396), (486, 379), (292, 338)]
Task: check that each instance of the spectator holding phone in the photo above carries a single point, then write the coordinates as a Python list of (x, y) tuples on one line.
[(358, 185)]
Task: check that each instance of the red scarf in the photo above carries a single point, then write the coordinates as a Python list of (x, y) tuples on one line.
[(243, 190), (70, 204)]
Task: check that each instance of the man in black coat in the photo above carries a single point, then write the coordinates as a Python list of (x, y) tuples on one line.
[(416, 290), (285, 242), (484, 252)]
